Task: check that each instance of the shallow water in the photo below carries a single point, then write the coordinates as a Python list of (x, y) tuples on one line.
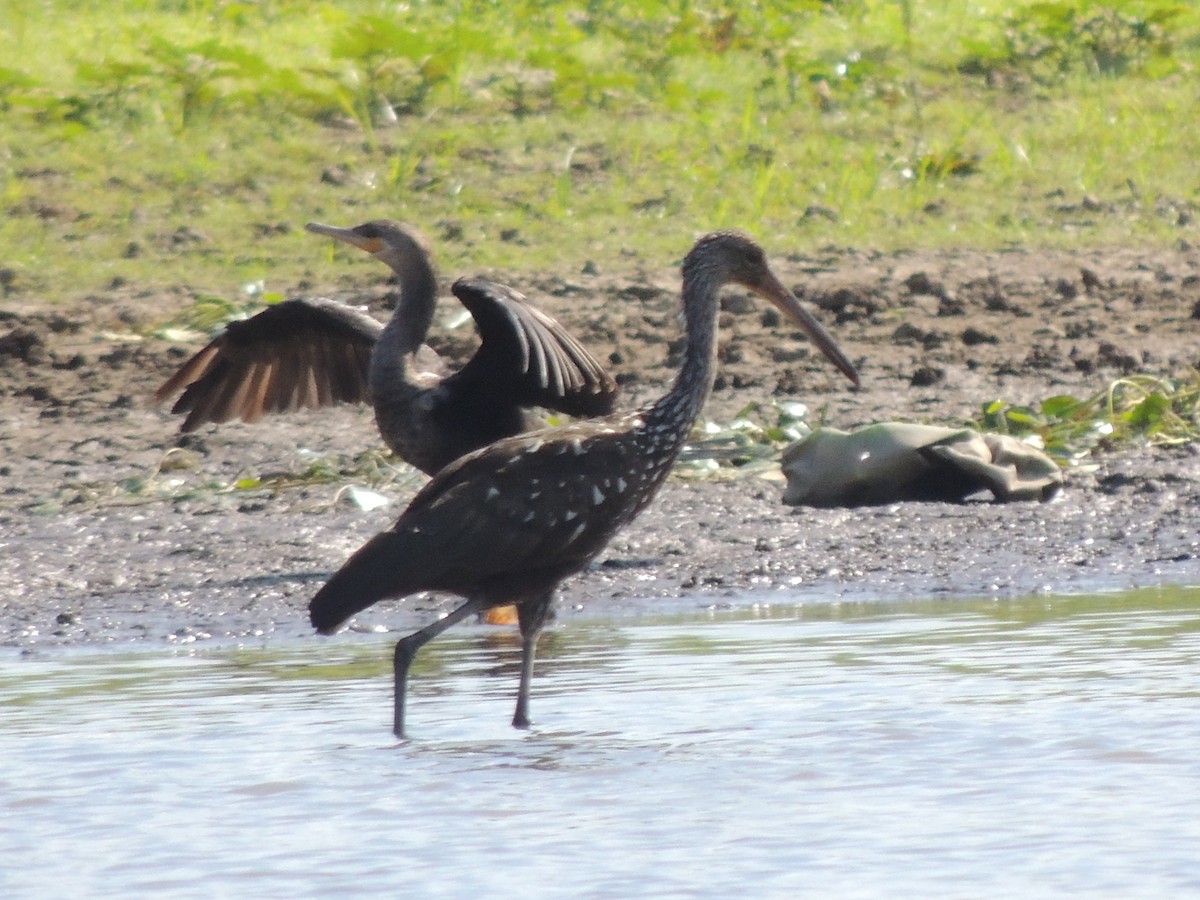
[(1034, 747)]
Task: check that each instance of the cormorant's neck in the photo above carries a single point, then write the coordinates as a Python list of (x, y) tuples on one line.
[(406, 330)]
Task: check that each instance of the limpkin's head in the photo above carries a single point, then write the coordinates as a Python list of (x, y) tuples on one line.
[(396, 245), (725, 257)]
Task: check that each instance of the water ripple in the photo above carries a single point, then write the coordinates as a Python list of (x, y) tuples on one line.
[(1039, 747)]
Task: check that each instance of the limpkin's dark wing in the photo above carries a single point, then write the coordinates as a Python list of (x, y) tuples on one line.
[(526, 357), (510, 519), (296, 354)]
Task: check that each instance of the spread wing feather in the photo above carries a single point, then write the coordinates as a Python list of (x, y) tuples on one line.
[(299, 353), (526, 355)]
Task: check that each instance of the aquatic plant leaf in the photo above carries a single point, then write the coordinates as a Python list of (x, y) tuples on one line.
[(1022, 416), (1149, 413), (1060, 406)]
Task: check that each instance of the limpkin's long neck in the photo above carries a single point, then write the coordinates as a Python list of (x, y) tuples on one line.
[(677, 410), (406, 330)]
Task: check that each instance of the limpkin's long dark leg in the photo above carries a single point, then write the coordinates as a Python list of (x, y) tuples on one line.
[(532, 616), (406, 651)]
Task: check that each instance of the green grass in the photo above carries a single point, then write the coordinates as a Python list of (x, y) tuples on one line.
[(612, 131)]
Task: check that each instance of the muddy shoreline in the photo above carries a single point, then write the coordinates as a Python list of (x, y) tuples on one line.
[(103, 544)]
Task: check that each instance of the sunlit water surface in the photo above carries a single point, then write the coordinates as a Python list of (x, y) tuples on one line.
[(1023, 748)]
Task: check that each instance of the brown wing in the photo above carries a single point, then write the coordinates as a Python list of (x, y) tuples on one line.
[(526, 357), (296, 354)]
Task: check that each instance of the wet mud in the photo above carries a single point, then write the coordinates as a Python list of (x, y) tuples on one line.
[(114, 529)]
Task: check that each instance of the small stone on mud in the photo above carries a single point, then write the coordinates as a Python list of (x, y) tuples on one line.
[(951, 306), (75, 361), (24, 344), (118, 357), (920, 283), (926, 376), (39, 393), (907, 333), (1110, 355), (1040, 358), (973, 336), (1066, 289)]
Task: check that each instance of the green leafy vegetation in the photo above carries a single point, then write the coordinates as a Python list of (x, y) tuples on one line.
[(546, 134), (1051, 41), (749, 445), (1136, 408)]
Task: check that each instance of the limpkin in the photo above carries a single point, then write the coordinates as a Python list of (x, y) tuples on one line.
[(315, 352), (509, 522)]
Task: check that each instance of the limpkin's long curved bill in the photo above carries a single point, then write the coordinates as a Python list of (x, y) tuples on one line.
[(772, 288), (347, 236)]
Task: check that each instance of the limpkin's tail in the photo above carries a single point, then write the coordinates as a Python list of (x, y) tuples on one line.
[(381, 568)]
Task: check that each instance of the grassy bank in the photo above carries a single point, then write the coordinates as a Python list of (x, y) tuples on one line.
[(186, 143)]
